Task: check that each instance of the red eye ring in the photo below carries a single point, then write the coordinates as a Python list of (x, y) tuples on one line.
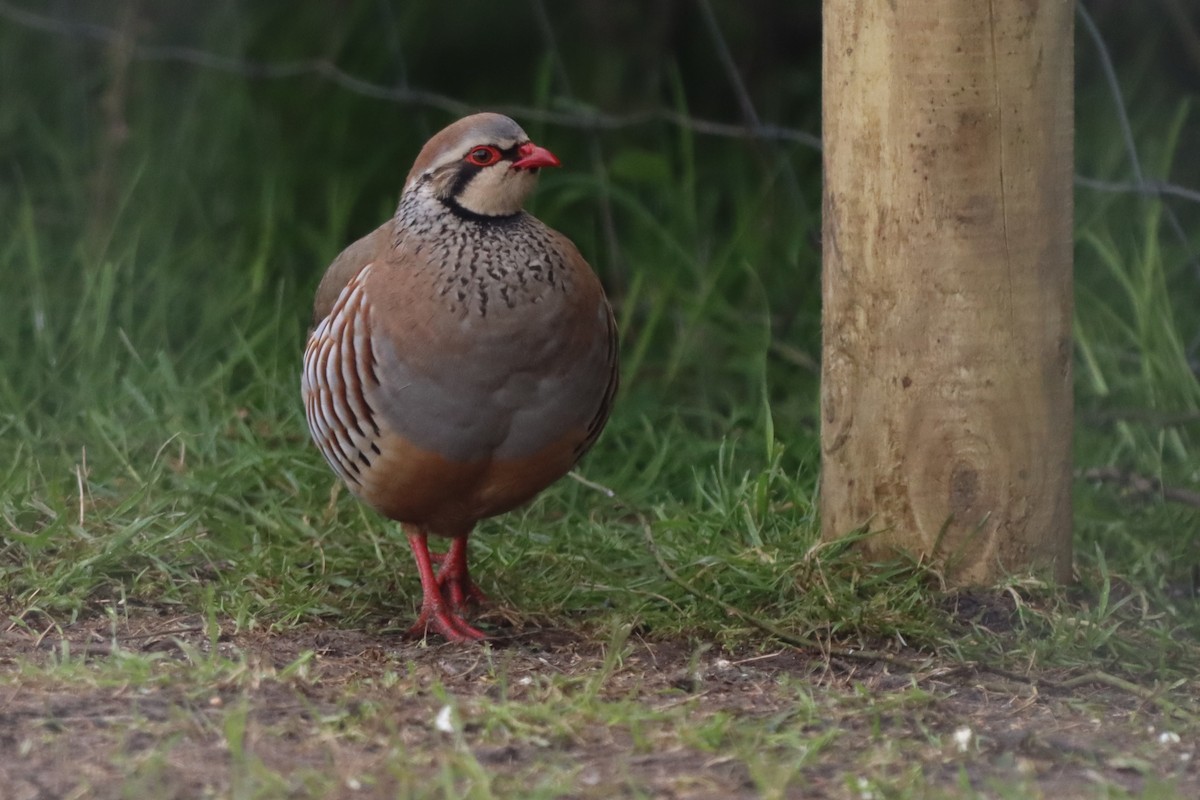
[(483, 156)]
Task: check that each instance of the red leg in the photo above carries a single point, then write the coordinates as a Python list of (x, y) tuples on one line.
[(434, 612), (453, 577)]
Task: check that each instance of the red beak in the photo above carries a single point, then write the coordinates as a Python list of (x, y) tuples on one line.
[(532, 157)]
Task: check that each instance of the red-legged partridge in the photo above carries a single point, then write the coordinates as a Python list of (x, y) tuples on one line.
[(464, 355)]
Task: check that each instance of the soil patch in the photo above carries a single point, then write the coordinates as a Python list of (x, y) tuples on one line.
[(103, 708)]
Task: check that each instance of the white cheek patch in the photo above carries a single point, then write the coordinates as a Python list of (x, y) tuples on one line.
[(497, 191)]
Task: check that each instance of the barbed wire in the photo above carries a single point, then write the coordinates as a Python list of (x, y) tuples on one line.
[(582, 117), (1140, 185), (1146, 187)]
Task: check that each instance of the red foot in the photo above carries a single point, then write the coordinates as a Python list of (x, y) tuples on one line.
[(446, 594), (451, 626), (453, 580)]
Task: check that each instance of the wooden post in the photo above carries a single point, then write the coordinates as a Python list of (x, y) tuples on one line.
[(947, 242)]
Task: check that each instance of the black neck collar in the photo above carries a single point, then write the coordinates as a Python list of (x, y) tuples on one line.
[(474, 216)]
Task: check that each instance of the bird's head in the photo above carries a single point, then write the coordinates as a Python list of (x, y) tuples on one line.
[(481, 166)]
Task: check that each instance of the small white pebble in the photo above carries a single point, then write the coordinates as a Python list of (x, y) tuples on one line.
[(722, 663), (525, 680), (864, 789), (962, 738), (215, 701), (353, 784), (445, 720), (1168, 737)]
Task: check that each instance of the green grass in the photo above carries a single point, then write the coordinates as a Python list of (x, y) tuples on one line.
[(153, 450)]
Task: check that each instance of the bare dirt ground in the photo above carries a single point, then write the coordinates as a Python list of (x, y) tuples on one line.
[(358, 703)]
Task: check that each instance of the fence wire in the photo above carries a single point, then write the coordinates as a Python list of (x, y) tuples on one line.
[(751, 127), (582, 118)]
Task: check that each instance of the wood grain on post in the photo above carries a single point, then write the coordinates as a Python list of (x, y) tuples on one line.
[(947, 242)]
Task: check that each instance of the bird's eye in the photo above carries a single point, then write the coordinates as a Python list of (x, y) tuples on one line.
[(483, 156)]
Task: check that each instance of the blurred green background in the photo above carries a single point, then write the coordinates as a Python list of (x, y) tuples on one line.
[(174, 178)]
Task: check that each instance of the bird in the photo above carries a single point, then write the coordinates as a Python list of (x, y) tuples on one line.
[(463, 356)]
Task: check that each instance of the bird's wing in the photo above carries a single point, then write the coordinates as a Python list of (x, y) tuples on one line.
[(349, 263)]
